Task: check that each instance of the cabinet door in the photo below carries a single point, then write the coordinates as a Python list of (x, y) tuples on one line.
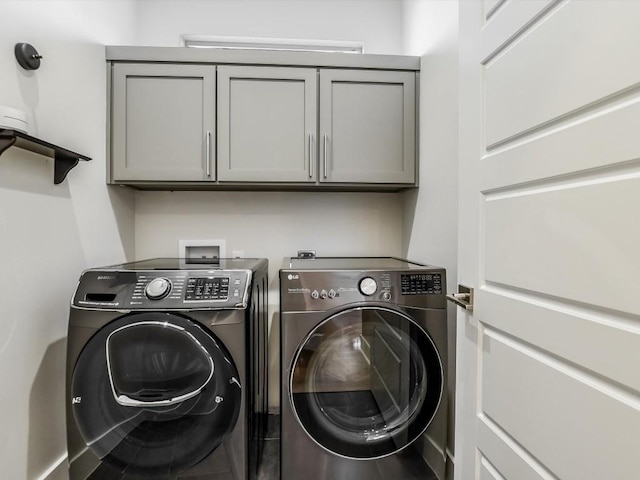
[(367, 126), (267, 124), (163, 122)]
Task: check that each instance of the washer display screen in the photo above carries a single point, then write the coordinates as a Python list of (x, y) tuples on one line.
[(207, 288), (421, 283)]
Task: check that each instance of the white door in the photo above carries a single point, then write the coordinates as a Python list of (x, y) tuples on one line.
[(549, 359)]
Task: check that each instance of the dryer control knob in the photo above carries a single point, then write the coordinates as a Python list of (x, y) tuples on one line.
[(158, 288), (368, 286)]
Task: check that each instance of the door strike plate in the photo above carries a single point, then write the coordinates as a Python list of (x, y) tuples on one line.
[(464, 297)]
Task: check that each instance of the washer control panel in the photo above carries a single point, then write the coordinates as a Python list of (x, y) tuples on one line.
[(163, 289), (321, 290)]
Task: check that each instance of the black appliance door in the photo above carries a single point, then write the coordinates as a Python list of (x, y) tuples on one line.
[(154, 393), (366, 382)]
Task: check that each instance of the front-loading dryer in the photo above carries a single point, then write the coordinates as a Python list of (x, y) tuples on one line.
[(363, 376), (166, 370)]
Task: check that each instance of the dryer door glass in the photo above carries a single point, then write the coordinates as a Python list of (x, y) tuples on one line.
[(366, 382), (154, 394)]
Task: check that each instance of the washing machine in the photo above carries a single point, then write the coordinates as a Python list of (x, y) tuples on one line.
[(363, 369), (166, 374)]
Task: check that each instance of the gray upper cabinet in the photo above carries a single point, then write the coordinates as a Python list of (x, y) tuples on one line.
[(367, 126), (267, 124), (189, 118), (162, 122)]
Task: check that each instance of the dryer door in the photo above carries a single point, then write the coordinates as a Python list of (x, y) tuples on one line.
[(154, 393), (366, 382)]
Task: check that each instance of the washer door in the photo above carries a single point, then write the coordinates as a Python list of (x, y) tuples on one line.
[(154, 393), (366, 382)]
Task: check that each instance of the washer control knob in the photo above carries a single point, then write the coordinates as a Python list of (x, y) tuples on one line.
[(315, 294), (158, 288), (368, 286), (323, 294), (332, 293), (386, 296)]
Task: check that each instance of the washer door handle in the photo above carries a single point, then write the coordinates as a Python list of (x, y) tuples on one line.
[(131, 402)]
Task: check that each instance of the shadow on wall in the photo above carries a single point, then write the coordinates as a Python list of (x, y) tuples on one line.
[(27, 172), (47, 426), (122, 203), (410, 204)]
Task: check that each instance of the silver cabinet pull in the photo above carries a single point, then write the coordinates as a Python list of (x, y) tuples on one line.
[(310, 155), (325, 155), (208, 156)]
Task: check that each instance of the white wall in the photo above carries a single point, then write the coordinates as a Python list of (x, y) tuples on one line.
[(376, 22), (430, 223), (50, 233)]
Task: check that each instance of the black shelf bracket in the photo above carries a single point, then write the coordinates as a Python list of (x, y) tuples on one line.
[(64, 160)]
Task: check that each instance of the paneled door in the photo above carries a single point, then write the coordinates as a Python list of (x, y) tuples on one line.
[(548, 360)]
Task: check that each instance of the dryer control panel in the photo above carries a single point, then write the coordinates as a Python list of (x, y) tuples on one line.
[(163, 289), (323, 290)]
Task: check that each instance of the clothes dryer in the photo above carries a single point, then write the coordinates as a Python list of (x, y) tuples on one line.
[(166, 374), (363, 376)]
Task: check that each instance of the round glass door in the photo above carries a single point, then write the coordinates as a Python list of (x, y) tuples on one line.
[(154, 394), (366, 382)]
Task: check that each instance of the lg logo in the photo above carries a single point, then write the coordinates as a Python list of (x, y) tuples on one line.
[(292, 277), (76, 400)]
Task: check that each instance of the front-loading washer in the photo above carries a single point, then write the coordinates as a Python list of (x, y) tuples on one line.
[(166, 370), (363, 369)]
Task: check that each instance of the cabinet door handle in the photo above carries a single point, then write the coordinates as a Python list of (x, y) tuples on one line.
[(310, 155), (208, 156), (325, 155)]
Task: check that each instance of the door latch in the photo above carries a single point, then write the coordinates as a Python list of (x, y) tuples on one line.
[(464, 297)]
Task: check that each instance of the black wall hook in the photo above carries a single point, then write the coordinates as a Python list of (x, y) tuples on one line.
[(27, 56)]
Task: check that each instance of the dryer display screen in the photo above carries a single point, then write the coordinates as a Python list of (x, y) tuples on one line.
[(207, 288), (421, 283)]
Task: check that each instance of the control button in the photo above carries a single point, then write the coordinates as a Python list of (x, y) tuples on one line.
[(158, 288), (386, 296), (332, 293), (323, 294), (315, 294), (368, 286)]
